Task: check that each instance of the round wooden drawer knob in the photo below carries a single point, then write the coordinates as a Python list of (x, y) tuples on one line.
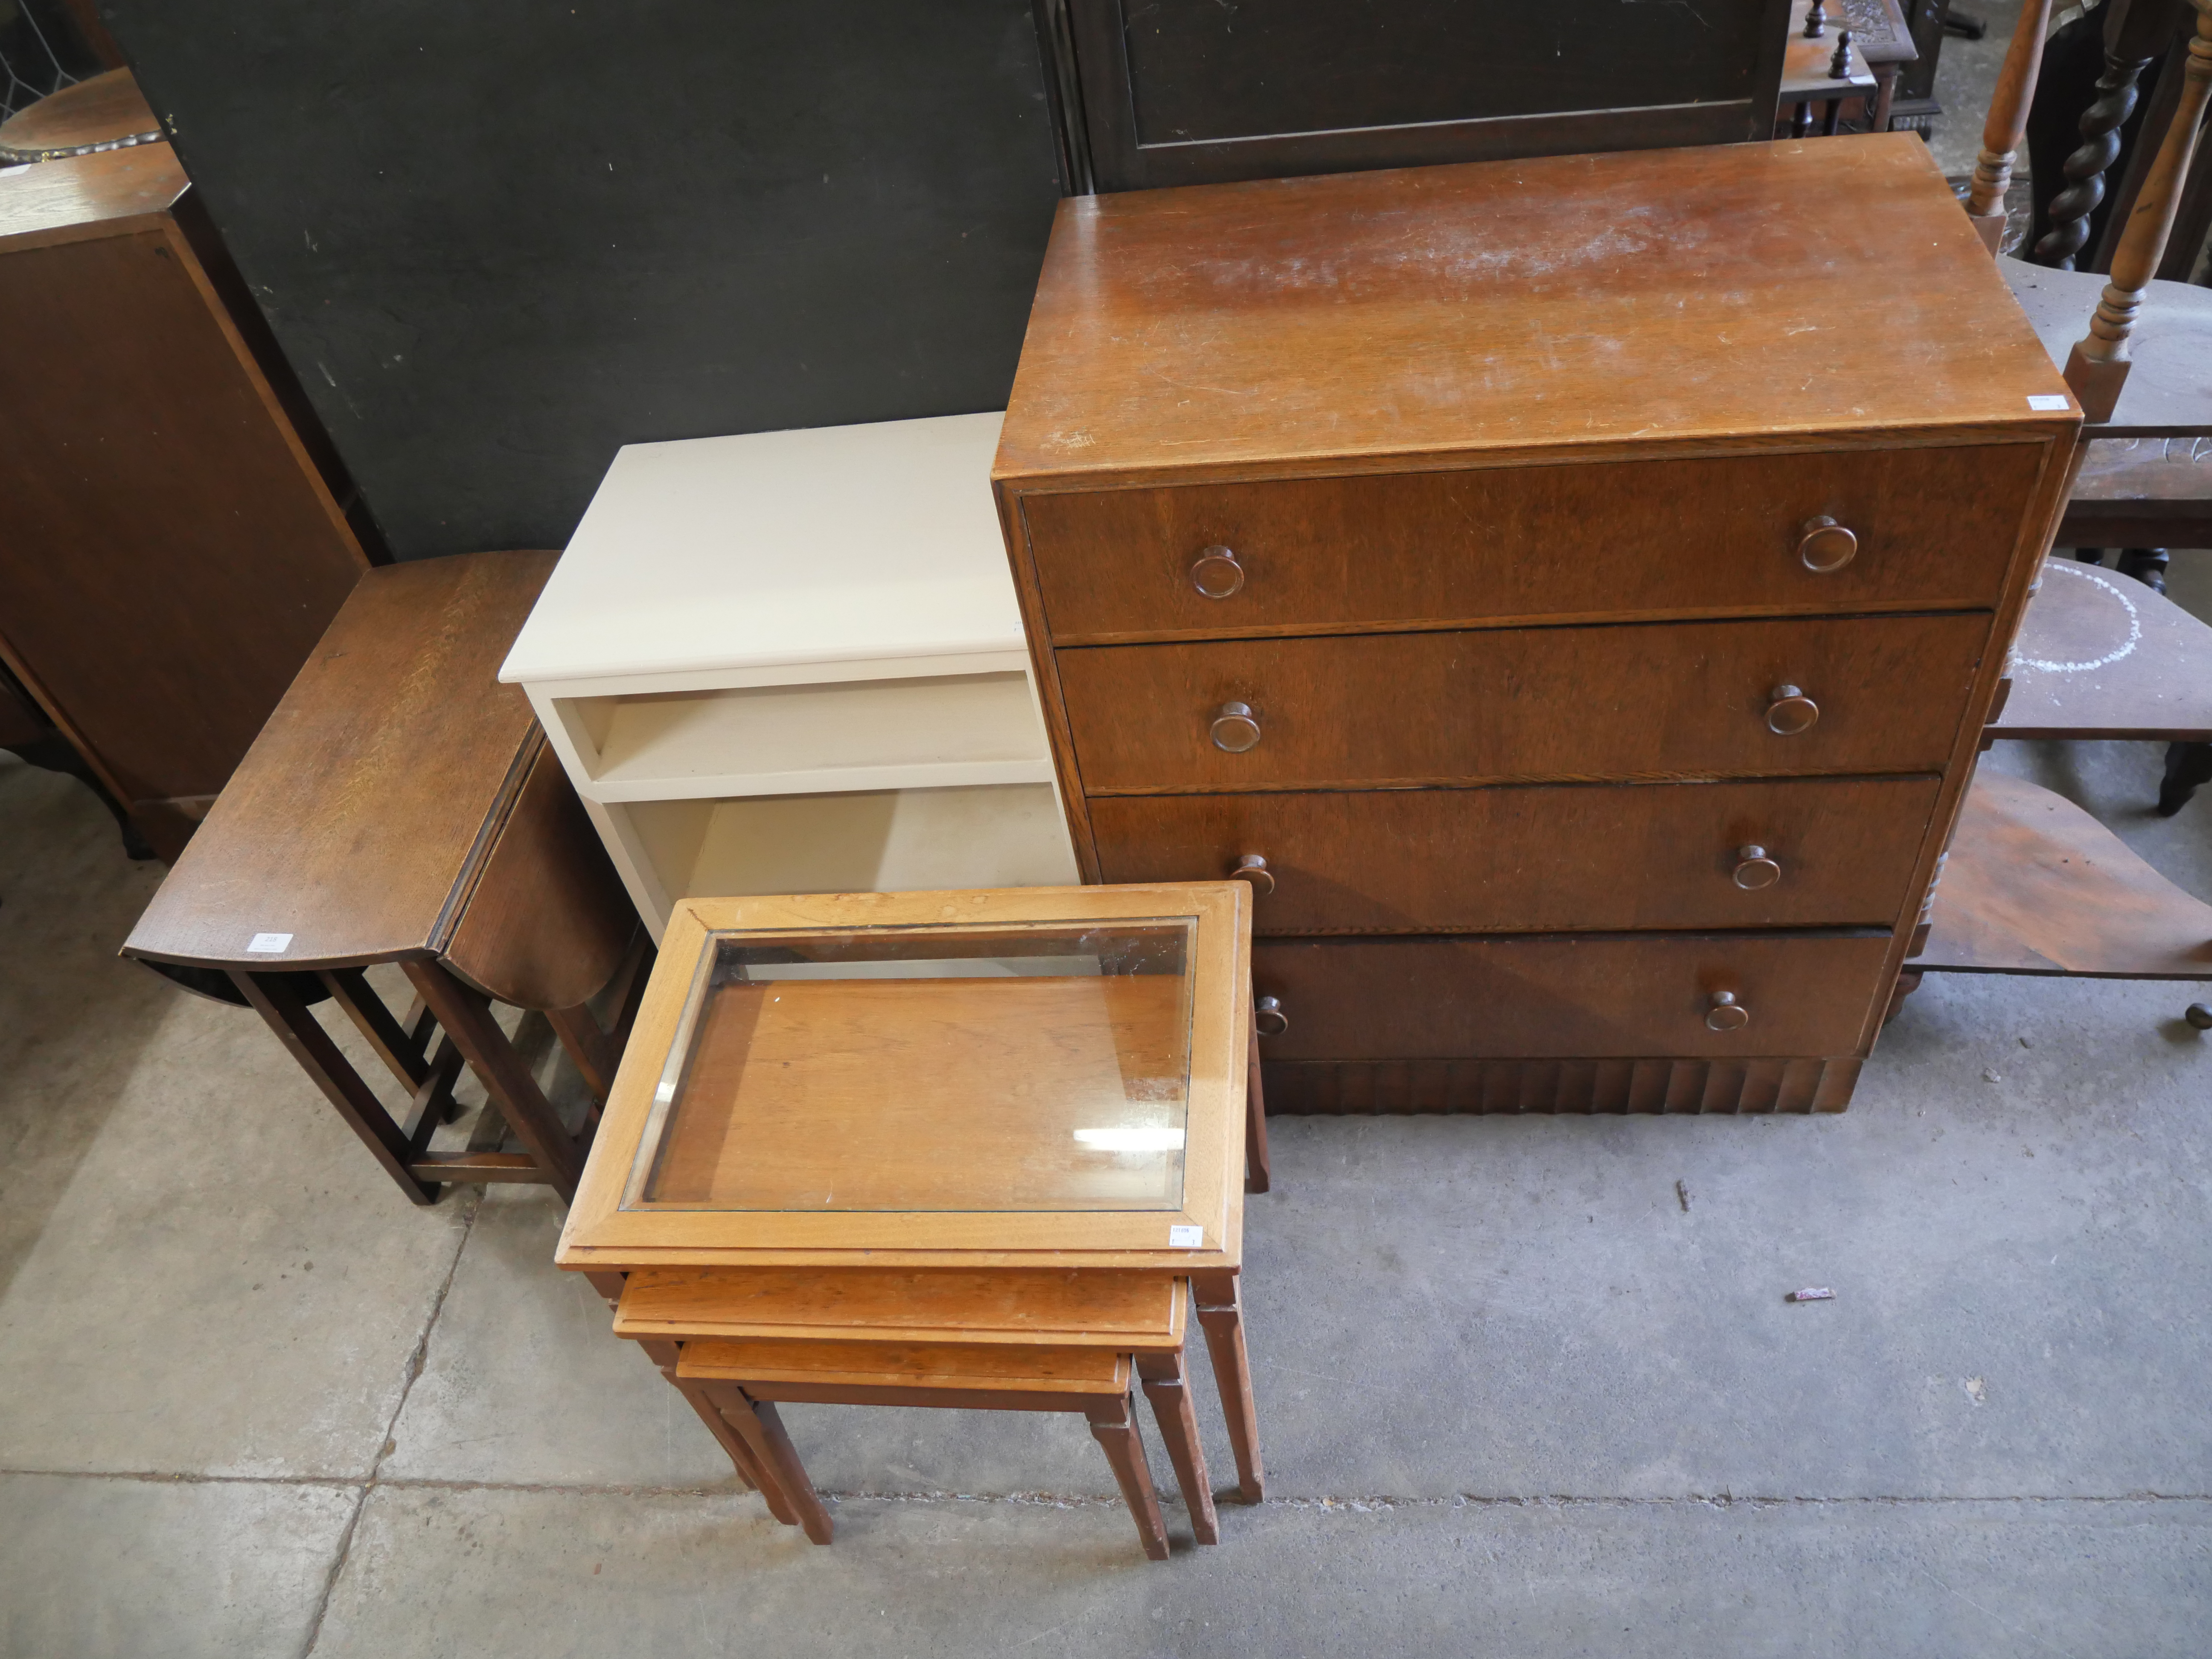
[(1254, 868), (1789, 711), (1725, 1013), (1267, 1014), (1235, 727), (1825, 545), (1754, 869), (1216, 573)]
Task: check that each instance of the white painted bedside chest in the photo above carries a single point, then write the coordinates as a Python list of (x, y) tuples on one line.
[(792, 662)]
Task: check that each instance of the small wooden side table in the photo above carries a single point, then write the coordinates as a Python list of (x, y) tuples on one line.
[(1040, 1078), (401, 806)]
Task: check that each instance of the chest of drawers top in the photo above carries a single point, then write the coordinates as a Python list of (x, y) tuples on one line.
[(1822, 293)]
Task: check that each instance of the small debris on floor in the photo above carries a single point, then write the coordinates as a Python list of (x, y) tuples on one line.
[(1990, 1076), (2024, 1043), (1974, 1387), (1683, 1193), (1822, 1294)]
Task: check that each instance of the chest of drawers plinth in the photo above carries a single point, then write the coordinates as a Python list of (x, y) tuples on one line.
[(1571, 591)]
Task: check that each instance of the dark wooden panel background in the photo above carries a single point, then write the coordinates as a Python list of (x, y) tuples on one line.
[(498, 240)]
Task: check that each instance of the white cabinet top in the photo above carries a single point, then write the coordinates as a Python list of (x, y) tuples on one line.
[(848, 544)]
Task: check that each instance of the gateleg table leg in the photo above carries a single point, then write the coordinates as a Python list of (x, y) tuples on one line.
[(466, 1016), (276, 1001)]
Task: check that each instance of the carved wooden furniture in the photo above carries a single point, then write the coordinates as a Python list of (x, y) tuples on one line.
[(176, 539), (1586, 709), (1045, 1080), (1825, 63), (792, 662), (107, 112), (735, 1342), (402, 806), (1188, 92)]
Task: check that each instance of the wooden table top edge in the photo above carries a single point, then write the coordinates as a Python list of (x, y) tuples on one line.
[(1030, 476)]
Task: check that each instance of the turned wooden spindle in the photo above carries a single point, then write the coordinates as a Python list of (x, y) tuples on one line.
[(2007, 122), (1816, 20), (2136, 32), (2097, 367)]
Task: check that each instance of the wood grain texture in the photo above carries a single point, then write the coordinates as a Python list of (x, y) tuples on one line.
[(1497, 545), (2141, 492), (1567, 996), (1662, 701), (1537, 858), (2036, 885), (372, 799), (543, 922), (929, 1094), (1058, 1369), (1133, 1310), (89, 195), (104, 112), (171, 553), (1572, 300), (2101, 655), (601, 1234), (1561, 1085)]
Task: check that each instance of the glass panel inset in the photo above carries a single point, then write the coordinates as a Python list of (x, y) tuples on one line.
[(1039, 1067)]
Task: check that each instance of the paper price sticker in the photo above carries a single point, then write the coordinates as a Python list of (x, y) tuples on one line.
[(2046, 400), (1186, 1239), (269, 945)]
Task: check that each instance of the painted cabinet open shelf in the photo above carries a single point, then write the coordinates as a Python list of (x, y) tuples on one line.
[(792, 662)]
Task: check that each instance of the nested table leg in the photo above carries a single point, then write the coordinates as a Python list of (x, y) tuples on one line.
[(1221, 1316), (466, 1016), (297, 1028), (665, 1356), (1114, 1425), (757, 1422), (1165, 1387)]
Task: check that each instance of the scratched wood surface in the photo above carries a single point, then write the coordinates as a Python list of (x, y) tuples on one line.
[(1638, 297)]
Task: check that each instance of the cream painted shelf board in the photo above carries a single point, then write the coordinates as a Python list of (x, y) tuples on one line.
[(784, 740), (890, 841)]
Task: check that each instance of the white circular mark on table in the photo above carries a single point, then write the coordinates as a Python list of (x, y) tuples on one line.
[(2058, 567)]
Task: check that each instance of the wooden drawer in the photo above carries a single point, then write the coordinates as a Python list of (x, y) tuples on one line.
[(1584, 995), (1670, 537), (1496, 706), (1542, 858)]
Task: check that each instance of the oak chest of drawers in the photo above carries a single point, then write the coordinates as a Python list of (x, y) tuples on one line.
[(1571, 591)]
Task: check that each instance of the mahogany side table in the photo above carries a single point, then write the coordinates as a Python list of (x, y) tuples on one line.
[(1040, 1078), (401, 806)]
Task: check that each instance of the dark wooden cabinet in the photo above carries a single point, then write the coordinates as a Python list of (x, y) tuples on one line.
[(1174, 92), (1570, 592), (172, 541)]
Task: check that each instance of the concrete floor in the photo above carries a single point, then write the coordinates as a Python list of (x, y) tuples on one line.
[(1517, 1400)]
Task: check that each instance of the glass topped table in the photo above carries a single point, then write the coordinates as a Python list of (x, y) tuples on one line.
[(1028, 1078), (1036, 1072)]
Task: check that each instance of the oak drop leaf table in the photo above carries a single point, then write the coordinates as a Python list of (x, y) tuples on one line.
[(401, 806), (871, 1117)]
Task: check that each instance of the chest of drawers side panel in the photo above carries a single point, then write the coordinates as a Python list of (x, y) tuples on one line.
[(1044, 673), (2062, 457)]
